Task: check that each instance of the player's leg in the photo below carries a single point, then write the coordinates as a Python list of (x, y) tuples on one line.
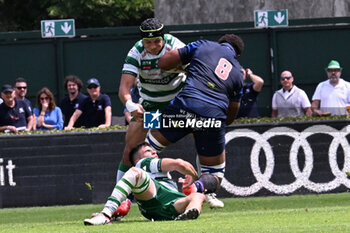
[(210, 145), (135, 180), (156, 139), (190, 207), (214, 166), (161, 138), (134, 135)]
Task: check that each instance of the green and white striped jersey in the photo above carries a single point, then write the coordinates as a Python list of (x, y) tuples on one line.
[(154, 85), (153, 167)]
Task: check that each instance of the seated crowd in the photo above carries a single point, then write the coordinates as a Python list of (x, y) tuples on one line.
[(76, 109), (331, 97)]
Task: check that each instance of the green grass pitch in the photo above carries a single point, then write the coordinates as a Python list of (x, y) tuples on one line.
[(297, 213)]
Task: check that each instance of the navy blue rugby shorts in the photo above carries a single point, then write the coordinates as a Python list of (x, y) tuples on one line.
[(209, 141)]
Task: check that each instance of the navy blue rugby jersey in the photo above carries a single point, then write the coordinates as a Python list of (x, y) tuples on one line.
[(214, 78)]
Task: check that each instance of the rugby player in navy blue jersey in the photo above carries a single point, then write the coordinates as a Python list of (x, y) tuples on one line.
[(210, 97)]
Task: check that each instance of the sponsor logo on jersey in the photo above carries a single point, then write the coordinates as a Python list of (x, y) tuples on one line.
[(149, 64)]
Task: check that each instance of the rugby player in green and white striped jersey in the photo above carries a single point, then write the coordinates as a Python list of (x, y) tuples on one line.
[(156, 87), (156, 194)]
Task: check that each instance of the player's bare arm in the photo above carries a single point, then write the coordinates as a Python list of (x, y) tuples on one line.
[(170, 60), (126, 84), (179, 165)]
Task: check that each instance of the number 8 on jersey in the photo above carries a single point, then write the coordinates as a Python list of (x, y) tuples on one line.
[(223, 68)]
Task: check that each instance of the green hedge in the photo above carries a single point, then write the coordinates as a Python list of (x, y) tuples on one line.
[(243, 120)]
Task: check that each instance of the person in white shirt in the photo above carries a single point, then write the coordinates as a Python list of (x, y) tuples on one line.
[(290, 101), (332, 96)]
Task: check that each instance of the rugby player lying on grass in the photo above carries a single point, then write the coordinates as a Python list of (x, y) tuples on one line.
[(156, 194)]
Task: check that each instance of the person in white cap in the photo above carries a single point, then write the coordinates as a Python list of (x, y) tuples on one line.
[(332, 96)]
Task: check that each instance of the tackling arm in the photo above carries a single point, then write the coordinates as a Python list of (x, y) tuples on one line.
[(170, 60), (179, 165)]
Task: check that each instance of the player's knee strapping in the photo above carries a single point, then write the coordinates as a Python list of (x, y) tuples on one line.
[(208, 180), (121, 171), (216, 170), (134, 180), (157, 146)]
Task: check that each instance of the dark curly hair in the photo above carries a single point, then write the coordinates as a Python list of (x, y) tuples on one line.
[(151, 24), (234, 40), (73, 78)]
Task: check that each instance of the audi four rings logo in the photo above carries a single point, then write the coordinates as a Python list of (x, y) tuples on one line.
[(301, 176)]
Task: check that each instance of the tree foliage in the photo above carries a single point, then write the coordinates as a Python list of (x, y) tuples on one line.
[(20, 15)]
